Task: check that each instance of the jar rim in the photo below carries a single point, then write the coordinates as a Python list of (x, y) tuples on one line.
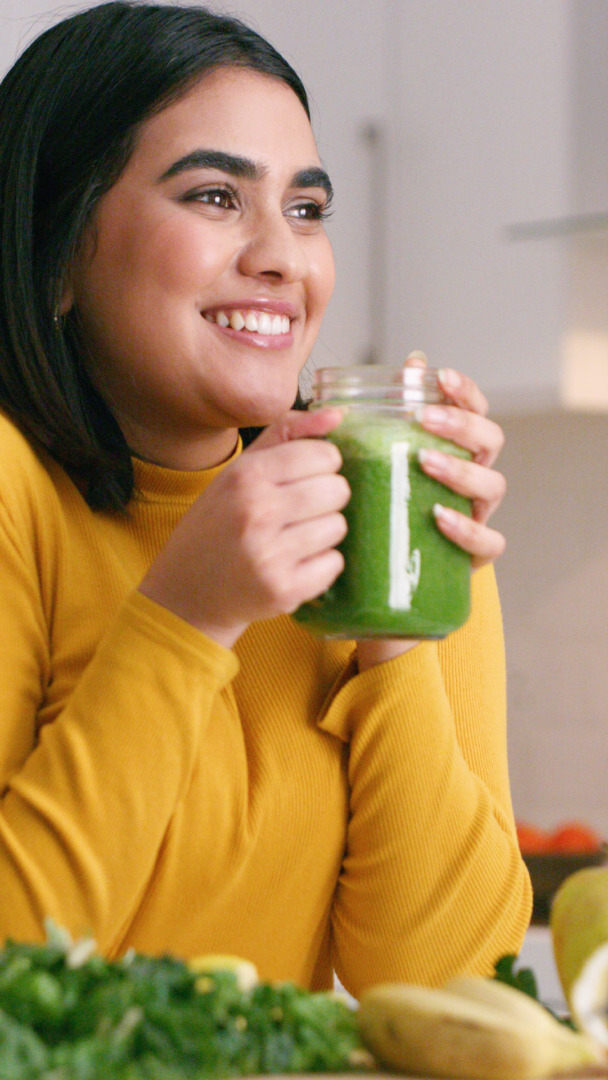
[(377, 375), (378, 383)]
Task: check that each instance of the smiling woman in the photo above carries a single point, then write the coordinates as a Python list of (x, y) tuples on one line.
[(181, 763), (190, 250)]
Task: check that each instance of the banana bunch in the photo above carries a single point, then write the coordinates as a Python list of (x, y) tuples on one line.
[(473, 1027)]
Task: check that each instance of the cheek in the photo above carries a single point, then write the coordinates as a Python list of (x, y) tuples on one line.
[(322, 274), (141, 261), (185, 257)]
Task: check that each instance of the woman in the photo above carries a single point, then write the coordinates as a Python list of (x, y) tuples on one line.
[(185, 768)]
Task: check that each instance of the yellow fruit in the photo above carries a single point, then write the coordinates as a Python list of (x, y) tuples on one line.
[(246, 972), (579, 927), (503, 997), (441, 1033), (579, 922)]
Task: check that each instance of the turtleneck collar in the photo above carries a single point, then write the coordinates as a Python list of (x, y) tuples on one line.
[(154, 483)]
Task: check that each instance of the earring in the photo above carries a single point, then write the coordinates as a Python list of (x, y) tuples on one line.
[(57, 319)]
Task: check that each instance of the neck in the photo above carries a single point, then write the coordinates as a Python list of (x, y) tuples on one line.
[(188, 457)]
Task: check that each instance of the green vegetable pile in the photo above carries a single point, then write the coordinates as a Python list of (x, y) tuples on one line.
[(68, 1014), (524, 979)]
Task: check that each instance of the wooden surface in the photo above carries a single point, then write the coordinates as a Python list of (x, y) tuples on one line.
[(586, 1074)]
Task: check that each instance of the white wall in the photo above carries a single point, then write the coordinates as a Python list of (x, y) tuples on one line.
[(481, 143), (553, 580)]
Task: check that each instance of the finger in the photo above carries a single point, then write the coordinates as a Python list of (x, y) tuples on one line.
[(297, 425), (485, 487), (313, 576), (416, 359), (484, 438), (483, 543), (314, 496), (307, 539), (463, 391), (286, 463)]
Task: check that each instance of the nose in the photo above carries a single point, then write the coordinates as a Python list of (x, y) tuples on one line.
[(273, 251)]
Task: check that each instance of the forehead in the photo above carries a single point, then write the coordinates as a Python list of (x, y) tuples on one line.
[(237, 110)]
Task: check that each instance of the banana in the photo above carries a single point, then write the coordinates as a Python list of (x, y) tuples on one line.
[(441, 1033), (501, 996)]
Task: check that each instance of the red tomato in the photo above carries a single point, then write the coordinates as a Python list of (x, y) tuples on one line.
[(532, 840), (575, 836)]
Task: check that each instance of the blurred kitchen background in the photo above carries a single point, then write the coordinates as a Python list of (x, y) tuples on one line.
[(468, 144)]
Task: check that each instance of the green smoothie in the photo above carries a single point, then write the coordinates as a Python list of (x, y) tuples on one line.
[(402, 577)]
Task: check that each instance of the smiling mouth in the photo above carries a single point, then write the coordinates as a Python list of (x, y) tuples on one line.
[(256, 322)]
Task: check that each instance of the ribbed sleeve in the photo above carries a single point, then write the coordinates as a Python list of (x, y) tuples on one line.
[(432, 880), (83, 819)]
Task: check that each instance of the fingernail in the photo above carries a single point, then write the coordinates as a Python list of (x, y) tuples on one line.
[(445, 513), (339, 410), (417, 354), (431, 458), (449, 378)]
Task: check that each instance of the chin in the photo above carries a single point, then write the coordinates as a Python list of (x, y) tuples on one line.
[(266, 412)]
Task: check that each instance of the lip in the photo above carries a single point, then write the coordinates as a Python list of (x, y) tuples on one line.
[(271, 342), (273, 305)]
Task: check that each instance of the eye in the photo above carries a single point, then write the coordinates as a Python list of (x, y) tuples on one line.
[(309, 210), (224, 198)]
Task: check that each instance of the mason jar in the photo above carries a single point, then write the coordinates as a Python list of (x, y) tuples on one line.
[(402, 577)]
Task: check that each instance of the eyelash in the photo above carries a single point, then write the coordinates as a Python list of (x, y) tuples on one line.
[(319, 212), (212, 196)]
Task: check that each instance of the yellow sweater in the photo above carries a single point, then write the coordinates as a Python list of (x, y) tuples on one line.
[(167, 794)]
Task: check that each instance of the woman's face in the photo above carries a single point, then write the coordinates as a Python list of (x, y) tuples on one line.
[(201, 284)]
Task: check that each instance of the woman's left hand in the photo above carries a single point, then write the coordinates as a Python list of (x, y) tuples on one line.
[(465, 423)]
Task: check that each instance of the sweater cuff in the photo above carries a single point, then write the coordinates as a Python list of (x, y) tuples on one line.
[(163, 628), (408, 680)]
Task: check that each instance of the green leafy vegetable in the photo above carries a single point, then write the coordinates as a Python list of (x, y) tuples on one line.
[(524, 979), (68, 1014)]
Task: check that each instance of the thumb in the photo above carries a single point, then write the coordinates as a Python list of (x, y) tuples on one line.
[(298, 425), (416, 359)]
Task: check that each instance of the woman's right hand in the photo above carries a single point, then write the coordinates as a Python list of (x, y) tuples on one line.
[(261, 540)]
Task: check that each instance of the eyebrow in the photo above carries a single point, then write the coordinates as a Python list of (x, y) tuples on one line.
[(245, 168)]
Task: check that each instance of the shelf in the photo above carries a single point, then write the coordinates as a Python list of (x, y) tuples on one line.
[(556, 227)]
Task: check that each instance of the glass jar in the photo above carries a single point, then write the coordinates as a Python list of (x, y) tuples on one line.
[(402, 578)]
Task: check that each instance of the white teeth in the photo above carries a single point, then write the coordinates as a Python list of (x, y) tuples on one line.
[(256, 322)]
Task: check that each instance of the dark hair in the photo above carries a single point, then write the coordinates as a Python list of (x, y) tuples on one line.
[(69, 111)]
